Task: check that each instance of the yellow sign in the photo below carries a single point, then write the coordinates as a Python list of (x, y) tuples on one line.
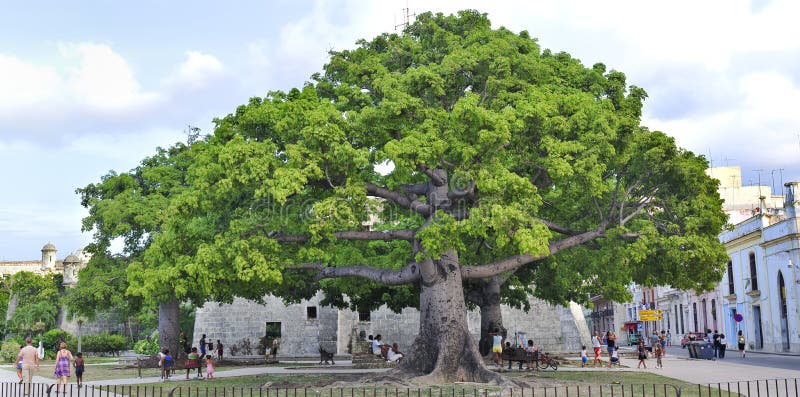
[(650, 312), (650, 318)]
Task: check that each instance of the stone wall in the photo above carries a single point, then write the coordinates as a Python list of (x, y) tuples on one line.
[(242, 325), (554, 328)]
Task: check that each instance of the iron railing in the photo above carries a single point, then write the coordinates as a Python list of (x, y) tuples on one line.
[(758, 388)]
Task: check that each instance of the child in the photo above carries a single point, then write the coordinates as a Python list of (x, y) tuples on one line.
[(584, 357), (659, 353), (642, 356), (530, 354), (19, 365), (614, 358), (166, 365), (79, 369), (209, 367)]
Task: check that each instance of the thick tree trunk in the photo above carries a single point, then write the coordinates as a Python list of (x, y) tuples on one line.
[(169, 326), (444, 351), (491, 315)]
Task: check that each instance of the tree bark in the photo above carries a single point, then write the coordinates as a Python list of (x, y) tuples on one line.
[(169, 326), (444, 350), (491, 315)]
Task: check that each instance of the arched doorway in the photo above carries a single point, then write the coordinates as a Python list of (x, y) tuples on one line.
[(784, 312)]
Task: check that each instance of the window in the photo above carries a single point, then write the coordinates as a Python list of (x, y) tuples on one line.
[(731, 290), (714, 311), (694, 314), (753, 273), (311, 313), (365, 316), (273, 331)]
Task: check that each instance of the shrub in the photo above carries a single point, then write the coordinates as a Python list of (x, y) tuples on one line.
[(10, 351), (147, 346), (51, 339), (105, 343)]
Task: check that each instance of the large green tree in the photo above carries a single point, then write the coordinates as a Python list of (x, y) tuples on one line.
[(426, 164)]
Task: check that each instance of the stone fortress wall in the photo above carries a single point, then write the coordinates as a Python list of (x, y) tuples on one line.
[(241, 325)]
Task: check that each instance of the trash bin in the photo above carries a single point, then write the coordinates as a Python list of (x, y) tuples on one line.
[(701, 350)]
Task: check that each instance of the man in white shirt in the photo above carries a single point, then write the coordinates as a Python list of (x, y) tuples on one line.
[(394, 354), (376, 345)]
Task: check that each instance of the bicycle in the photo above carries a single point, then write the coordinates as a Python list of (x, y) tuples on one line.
[(546, 361)]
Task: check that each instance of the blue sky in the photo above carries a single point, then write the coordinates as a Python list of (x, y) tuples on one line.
[(92, 86)]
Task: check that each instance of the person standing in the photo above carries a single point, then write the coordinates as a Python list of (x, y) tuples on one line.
[(611, 342), (723, 345), (63, 364), (741, 342), (192, 362), (497, 346), (274, 350), (219, 350), (79, 367), (596, 346), (203, 346), (669, 338), (659, 352), (29, 359), (716, 344)]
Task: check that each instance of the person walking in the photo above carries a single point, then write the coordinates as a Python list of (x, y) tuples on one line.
[(723, 345), (642, 355), (741, 342), (596, 346), (29, 359), (19, 366), (274, 350), (209, 367), (192, 362), (659, 352), (63, 364), (584, 358), (79, 367), (203, 346)]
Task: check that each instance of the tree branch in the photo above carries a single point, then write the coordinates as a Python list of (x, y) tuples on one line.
[(417, 189), (435, 179), (399, 199), (514, 262), (408, 274), (558, 228), (385, 235)]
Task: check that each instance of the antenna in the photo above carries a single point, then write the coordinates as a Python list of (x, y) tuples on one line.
[(759, 180), (406, 18)]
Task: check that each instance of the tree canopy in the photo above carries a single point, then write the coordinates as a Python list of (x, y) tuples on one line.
[(450, 148)]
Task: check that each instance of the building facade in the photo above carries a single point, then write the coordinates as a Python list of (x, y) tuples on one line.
[(760, 285)]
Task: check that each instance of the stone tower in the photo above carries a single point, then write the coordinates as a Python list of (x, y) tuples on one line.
[(49, 257), (71, 266)]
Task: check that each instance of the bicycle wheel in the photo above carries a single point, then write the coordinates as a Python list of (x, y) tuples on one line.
[(543, 363), (554, 365)]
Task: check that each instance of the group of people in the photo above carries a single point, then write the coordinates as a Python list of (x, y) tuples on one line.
[(389, 352), (657, 348), (28, 362), (195, 359), (497, 349)]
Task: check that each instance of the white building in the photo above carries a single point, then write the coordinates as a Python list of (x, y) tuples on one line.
[(761, 282)]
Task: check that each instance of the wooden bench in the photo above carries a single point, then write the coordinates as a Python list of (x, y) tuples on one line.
[(519, 355)]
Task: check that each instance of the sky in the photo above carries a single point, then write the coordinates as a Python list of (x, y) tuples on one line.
[(87, 87)]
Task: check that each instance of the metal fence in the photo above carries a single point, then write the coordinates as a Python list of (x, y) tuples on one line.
[(759, 388)]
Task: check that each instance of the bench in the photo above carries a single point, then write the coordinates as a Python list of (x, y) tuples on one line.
[(519, 355)]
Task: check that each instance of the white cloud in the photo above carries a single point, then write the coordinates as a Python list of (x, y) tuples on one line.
[(23, 83), (102, 79), (196, 71)]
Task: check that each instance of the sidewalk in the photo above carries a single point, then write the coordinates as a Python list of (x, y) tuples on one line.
[(677, 367)]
